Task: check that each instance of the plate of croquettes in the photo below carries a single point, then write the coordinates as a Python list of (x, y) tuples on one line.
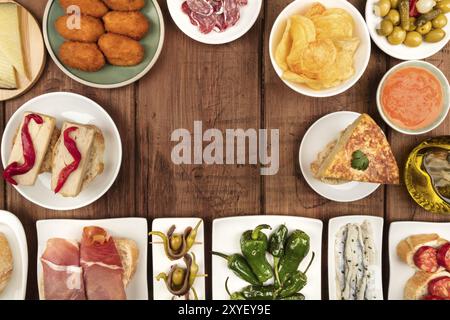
[(104, 43)]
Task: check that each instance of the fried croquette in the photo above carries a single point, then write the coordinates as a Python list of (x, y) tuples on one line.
[(125, 5), (132, 24), (95, 8), (121, 50), (89, 30), (82, 56)]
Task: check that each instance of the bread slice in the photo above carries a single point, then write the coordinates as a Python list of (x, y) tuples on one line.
[(6, 262), (417, 286), (408, 247), (129, 255), (366, 136), (91, 144), (41, 134)]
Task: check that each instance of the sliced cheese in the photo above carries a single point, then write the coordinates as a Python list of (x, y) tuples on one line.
[(84, 138), (10, 38), (7, 74), (40, 135)]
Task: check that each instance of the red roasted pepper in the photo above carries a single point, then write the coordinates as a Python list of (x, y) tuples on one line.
[(412, 9), (71, 146), (29, 154)]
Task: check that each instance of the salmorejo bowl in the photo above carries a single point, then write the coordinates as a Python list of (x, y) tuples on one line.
[(413, 97)]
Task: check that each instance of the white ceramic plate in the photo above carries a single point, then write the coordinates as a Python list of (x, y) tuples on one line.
[(401, 52), (318, 136), (162, 264), (362, 55), (11, 227), (130, 228), (400, 272), (334, 226), (226, 236), (249, 15), (72, 107)]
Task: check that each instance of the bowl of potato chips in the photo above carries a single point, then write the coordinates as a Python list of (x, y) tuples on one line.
[(320, 49)]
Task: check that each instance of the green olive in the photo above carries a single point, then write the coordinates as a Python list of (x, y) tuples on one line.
[(439, 22), (423, 30), (176, 240), (435, 35), (386, 27), (413, 39), (178, 276), (382, 8), (397, 36), (412, 24), (444, 5), (394, 4), (394, 16)]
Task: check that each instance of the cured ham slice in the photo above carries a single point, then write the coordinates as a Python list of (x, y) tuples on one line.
[(103, 270), (62, 274)]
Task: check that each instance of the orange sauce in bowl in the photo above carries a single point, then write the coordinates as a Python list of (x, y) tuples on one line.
[(412, 98)]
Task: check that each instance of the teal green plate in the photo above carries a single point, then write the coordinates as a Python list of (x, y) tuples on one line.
[(110, 76)]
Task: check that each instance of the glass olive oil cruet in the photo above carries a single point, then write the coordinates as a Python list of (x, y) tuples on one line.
[(427, 174)]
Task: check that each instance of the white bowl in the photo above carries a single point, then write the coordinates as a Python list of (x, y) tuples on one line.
[(72, 107), (249, 15), (362, 55), (446, 99), (401, 52)]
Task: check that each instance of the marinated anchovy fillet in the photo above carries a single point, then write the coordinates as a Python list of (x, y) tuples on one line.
[(355, 262)]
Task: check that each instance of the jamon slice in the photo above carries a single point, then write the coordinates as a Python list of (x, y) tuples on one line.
[(103, 270), (62, 274)]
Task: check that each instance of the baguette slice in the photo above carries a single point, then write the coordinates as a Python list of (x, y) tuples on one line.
[(90, 143), (6, 262), (417, 286), (129, 255), (408, 247), (41, 134)]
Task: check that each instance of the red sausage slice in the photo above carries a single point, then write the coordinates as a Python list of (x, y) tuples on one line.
[(440, 287), (426, 259), (430, 297), (443, 256)]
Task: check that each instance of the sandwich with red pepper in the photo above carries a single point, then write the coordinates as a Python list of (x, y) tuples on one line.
[(77, 158), (31, 151)]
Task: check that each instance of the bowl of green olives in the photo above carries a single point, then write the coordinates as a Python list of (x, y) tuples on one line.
[(409, 29)]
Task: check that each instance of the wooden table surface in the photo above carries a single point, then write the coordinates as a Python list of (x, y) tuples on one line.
[(225, 86)]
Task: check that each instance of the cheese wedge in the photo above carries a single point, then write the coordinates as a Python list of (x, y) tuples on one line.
[(7, 74), (40, 134), (362, 139), (84, 138), (10, 37)]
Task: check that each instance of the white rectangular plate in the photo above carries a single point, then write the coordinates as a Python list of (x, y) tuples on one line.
[(334, 226), (11, 227), (162, 264), (226, 238), (131, 228), (400, 272)]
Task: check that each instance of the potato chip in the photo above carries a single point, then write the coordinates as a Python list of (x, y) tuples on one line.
[(284, 47), (317, 49)]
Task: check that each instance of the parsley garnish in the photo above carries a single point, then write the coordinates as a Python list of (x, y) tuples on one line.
[(359, 160)]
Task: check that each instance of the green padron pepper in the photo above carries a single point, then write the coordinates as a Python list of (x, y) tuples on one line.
[(254, 245), (297, 296), (240, 267), (277, 241), (297, 247), (295, 282), (252, 292)]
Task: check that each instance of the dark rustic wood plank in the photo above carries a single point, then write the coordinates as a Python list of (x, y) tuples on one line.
[(218, 85), (119, 201), (292, 113)]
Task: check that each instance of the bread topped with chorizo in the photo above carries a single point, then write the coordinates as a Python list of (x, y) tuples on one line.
[(428, 286)]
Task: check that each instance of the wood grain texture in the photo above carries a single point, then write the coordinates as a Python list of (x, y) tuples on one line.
[(226, 87)]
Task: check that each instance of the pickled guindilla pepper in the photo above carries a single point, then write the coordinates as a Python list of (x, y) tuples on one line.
[(240, 267), (296, 249), (254, 245)]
